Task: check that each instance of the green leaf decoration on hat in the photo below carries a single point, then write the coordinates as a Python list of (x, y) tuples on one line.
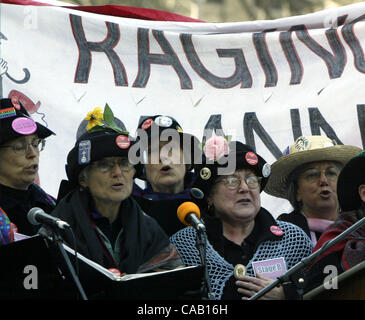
[(99, 121)]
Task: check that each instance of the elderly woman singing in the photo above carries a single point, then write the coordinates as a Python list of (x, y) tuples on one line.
[(246, 246)]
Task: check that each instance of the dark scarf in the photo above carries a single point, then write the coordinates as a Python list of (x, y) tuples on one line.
[(352, 247), (142, 237), (17, 203)]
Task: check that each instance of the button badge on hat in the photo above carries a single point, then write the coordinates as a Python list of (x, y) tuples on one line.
[(301, 144), (122, 142), (266, 170), (205, 173), (146, 124), (163, 121), (84, 152), (251, 158), (24, 125)]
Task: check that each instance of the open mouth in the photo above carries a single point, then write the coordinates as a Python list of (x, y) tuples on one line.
[(165, 169), (117, 185), (244, 201), (325, 193), (32, 169)]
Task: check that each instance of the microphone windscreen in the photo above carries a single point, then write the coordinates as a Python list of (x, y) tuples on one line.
[(32, 215), (185, 208)]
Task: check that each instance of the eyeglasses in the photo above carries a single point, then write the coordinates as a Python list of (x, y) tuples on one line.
[(312, 175), (106, 165), (234, 182), (23, 147)]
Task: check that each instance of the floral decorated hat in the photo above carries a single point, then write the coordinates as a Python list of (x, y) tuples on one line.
[(15, 122), (103, 138), (223, 157)]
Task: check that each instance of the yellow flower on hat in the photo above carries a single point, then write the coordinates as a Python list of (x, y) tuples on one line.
[(94, 118)]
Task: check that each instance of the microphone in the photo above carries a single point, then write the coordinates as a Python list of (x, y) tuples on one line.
[(189, 214), (38, 216)]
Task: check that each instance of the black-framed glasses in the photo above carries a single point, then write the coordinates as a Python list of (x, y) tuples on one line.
[(23, 147), (106, 165), (233, 182), (313, 174)]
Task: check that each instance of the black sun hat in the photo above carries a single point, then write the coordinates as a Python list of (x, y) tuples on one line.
[(351, 177), (221, 157), (15, 122)]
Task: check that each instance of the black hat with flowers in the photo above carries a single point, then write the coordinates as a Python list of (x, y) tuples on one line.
[(15, 122), (222, 157), (151, 130), (103, 138)]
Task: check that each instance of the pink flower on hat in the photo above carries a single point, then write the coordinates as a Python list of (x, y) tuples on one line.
[(216, 147)]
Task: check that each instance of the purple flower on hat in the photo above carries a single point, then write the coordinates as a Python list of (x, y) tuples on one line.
[(216, 147)]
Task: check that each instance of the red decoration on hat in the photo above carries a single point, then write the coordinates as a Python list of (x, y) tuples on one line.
[(147, 123), (122, 142), (251, 158), (18, 97), (276, 231)]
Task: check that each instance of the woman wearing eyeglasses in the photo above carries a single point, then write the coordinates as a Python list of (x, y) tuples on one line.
[(110, 227), (242, 235), (307, 176), (21, 140)]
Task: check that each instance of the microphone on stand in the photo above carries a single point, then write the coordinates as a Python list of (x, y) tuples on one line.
[(38, 216), (189, 214)]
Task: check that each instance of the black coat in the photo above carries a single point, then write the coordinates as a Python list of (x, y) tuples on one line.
[(142, 238), (17, 203)]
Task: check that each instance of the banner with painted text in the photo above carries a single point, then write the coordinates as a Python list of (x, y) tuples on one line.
[(263, 82)]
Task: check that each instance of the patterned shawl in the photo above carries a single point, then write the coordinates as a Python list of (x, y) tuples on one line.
[(352, 247), (6, 229)]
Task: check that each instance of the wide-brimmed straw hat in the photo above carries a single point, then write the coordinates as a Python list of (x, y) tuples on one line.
[(349, 180), (306, 149)]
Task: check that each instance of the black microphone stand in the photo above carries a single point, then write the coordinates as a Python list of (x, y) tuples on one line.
[(292, 274), (201, 244), (54, 236)]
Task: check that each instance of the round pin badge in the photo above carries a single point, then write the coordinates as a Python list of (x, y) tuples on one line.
[(24, 126), (197, 193), (163, 121), (266, 170), (205, 173), (301, 144), (276, 231), (122, 142), (146, 124), (251, 158), (239, 271)]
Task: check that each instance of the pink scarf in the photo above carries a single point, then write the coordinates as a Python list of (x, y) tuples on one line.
[(317, 225)]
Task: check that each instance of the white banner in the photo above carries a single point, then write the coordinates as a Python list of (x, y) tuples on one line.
[(263, 82)]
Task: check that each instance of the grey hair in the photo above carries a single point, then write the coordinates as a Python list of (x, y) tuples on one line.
[(292, 184)]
